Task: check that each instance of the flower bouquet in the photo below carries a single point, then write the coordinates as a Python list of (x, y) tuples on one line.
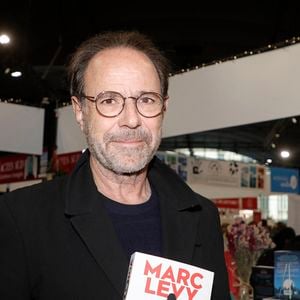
[(245, 244)]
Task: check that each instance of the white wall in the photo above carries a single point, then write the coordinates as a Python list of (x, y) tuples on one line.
[(22, 128), (293, 212), (69, 136), (222, 191), (251, 89)]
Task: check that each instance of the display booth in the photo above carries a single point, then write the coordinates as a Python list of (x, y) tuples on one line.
[(22, 136)]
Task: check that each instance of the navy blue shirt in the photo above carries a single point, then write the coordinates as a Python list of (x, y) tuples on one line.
[(137, 226)]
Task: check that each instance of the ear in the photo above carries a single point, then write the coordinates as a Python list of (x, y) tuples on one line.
[(77, 109), (166, 103)]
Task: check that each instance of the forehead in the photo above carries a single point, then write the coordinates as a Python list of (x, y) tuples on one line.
[(122, 66)]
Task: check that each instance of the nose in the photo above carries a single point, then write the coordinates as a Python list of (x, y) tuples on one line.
[(130, 117)]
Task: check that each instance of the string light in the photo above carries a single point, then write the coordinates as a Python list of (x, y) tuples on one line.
[(11, 100), (4, 39), (16, 74), (269, 47), (285, 154)]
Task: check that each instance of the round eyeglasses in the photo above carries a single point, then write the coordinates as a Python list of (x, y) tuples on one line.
[(110, 104)]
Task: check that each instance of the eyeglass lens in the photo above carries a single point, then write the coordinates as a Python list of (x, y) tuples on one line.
[(112, 103)]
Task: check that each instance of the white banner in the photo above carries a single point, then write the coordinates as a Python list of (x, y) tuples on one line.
[(22, 128), (226, 173), (69, 136), (247, 90)]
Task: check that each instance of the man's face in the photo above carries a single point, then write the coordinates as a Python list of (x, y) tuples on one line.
[(126, 143)]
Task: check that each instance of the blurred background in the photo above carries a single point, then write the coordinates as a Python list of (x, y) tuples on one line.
[(44, 33)]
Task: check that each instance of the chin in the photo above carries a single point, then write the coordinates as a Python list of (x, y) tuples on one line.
[(128, 166), (123, 160)]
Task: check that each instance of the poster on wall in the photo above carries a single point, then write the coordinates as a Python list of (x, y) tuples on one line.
[(284, 180), (16, 168), (182, 166), (226, 173), (64, 163), (252, 176), (176, 161), (214, 172), (171, 160), (249, 203)]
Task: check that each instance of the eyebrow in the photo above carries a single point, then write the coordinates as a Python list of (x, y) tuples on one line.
[(141, 92)]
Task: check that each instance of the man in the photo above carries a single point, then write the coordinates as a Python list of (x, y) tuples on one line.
[(71, 238)]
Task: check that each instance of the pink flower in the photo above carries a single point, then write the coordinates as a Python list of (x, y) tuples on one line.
[(245, 243)]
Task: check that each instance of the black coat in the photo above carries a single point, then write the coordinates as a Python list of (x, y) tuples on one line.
[(57, 241)]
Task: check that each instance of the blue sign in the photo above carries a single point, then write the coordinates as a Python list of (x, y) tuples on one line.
[(284, 180)]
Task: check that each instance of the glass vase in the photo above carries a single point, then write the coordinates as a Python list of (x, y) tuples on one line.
[(245, 292)]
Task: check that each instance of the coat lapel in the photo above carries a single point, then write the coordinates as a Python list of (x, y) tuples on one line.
[(89, 219), (179, 231), (100, 238)]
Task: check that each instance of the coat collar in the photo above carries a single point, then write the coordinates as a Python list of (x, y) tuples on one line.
[(166, 180), (177, 203), (81, 185), (89, 219)]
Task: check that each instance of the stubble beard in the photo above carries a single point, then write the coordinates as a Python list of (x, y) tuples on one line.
[(121, 159)]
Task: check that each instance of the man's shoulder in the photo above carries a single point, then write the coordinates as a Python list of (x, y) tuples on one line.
[(35, 195), (207, 203)]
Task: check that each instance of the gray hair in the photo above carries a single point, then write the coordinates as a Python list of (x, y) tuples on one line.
[(128, 39)]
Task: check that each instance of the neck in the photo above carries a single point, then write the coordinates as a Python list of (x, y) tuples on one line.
[(124, 188)]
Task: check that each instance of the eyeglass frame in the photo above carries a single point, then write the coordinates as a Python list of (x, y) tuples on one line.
[(94, 99)]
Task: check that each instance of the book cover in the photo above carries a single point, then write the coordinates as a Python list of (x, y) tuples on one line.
[(287, 274), (154, 278), (262, 281)]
